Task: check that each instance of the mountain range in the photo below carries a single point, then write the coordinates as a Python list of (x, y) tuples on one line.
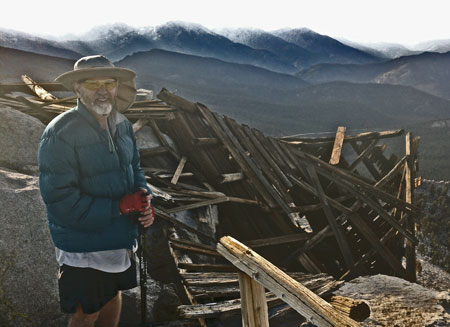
[(283, 82)]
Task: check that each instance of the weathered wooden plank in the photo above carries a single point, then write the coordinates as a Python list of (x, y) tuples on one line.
[(372, 203), (321, 165), (337, 147), (179, 170), (187, 248), (164, 215), (233, 177), (338, 233), (181, 258), (267, 156), (237, 153), (368, 163), (308, 304), (278, 240), (206, 267), (363, 155), (358, 137), (410, 250), (137, 126), (176, 101), (205, 141), (153, 151), (253, 302), (42, 93)]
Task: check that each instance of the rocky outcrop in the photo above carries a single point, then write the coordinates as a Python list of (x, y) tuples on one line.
[(19, 140), (28, 269), (396, 302)]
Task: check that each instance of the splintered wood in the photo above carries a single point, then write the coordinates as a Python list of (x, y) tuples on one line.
[(284, 287)]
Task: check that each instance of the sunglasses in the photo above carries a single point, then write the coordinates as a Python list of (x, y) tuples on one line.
[(94, 85)]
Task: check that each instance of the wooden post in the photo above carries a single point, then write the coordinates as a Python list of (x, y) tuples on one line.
[(301, 299), (410, 250), (337, 147), (253, 302)]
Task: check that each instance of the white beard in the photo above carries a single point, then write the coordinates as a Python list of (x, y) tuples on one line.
[(103, 109)]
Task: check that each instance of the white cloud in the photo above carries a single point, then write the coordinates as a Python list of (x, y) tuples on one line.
[(370, 21)]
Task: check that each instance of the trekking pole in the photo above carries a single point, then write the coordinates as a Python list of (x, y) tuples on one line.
[(142, 274)]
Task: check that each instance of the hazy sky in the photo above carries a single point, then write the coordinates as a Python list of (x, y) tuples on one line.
[(398, 21)]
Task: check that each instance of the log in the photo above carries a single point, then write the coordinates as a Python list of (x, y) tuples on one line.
[(337, 147), (356, 309), (308, 304)]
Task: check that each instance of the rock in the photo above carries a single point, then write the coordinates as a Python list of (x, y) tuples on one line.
[(165, 306), (19, 139), (28, 270), (396, 302)]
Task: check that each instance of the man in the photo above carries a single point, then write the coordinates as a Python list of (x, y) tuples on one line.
[(90, 178)]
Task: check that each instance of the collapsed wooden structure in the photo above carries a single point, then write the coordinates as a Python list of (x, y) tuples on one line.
[(328, 209)]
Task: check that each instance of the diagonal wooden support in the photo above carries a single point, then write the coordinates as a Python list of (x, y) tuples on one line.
[(337, 147), (338, 233), (301, 299), (42, 93), (179, 170)]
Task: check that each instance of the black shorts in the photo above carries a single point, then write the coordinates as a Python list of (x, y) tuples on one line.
[(91, 288)]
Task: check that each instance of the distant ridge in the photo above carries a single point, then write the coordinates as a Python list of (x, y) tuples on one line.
[(429, 72)]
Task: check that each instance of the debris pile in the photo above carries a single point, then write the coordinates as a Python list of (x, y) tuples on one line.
[(323, 210)]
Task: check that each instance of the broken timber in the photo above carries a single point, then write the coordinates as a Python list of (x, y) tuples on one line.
[(308, 304)]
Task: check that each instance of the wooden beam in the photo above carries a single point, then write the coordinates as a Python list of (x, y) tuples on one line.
[(278, 240), (178, 171), (358, 137), (137, 126), (233, 177), (176, 101), (371, 203), (338, 233), (205, 141), (410, 250), (211, 202), (362, 156), (253, 302), (153, 151), (301, 299), (321, 165), (337, 147), (37, 89)]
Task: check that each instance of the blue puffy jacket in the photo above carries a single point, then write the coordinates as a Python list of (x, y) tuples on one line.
[(83, 174)]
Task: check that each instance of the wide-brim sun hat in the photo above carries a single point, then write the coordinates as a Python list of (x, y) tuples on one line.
[(100, 66)]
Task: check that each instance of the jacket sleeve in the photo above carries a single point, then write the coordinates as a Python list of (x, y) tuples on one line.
[(66, 205), (139, 176)]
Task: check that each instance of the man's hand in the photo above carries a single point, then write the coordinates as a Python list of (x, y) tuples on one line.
[(148, 216)]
